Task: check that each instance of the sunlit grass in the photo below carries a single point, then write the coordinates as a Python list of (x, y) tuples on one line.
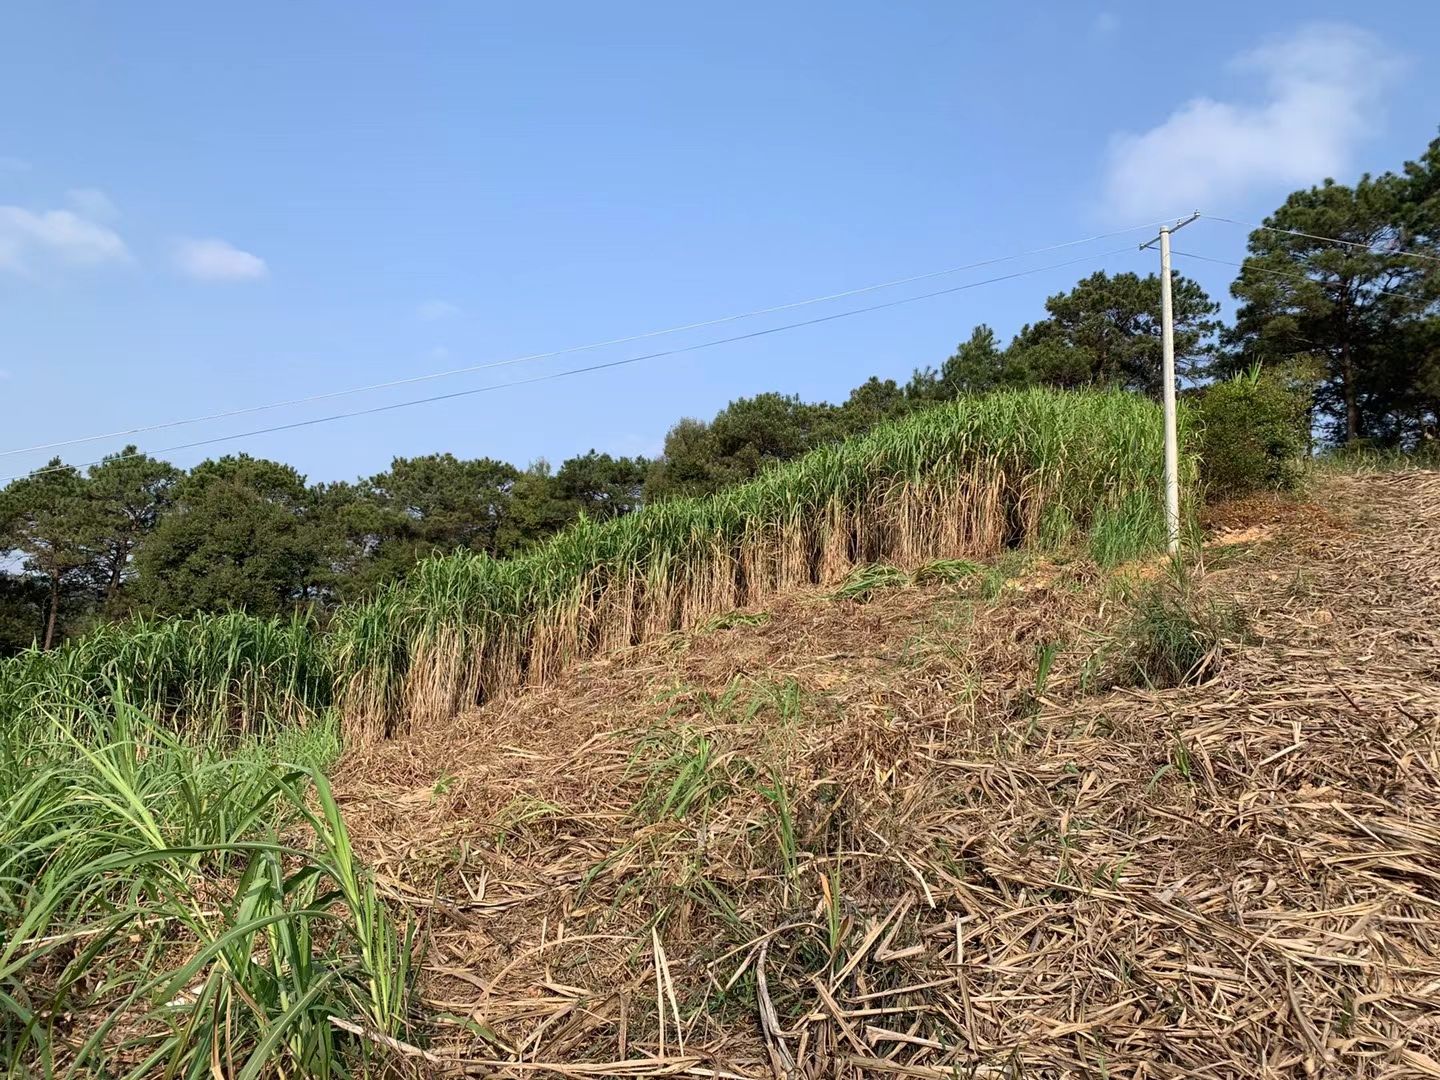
[(178, 894), (1035, 468), (206, 673), (168, 903)]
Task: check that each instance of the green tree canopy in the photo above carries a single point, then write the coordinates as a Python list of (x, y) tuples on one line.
[(977, 366), (241, 534), (442, 503), (744, 437), (49, 520), (1106, 331), (1364, 307), (374, 530), (128, 493), (536, 509), (601, 486), (24, 605), (872, 402)]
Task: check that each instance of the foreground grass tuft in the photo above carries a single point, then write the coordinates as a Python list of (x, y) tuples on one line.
[(1174, 635), (171, 903)]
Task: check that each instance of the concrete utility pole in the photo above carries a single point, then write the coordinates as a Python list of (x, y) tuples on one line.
[(1167, 351)]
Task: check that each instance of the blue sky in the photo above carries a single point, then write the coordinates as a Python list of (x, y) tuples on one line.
[(204, 208)]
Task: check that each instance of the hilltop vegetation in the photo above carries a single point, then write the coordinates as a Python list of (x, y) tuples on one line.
[(996, 814), (182, 886), (1038, 469), (1355, 328), (881, 750), (1026, 818)]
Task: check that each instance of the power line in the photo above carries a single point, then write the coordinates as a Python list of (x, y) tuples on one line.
[(389, 384), (588, 368), (1279, 273), (1327, 239)]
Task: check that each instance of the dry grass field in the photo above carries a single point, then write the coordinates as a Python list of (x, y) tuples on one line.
[(946, 824)]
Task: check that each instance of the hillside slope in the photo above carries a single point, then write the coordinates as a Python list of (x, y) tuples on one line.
[(916, 837)]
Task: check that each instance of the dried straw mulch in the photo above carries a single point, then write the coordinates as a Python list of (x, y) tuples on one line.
[(902, 853)]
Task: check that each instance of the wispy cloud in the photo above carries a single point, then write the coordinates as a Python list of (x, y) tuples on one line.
[(217, 260), (32, 238), (1323, 86), (92, 203), (1104, 24), (435, 310)]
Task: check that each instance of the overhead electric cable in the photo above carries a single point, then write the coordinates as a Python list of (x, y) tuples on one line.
[(1326, 239), (1276, 273), (470, 369), (679, 350)]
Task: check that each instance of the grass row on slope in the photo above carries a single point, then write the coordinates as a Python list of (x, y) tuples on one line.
[(212, 673), (1040, 468), (175, 907), (1035, 467)]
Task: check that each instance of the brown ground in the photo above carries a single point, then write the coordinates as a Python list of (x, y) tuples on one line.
[(868, 839)]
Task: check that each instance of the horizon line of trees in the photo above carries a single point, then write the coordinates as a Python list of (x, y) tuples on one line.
[(1359, 325)]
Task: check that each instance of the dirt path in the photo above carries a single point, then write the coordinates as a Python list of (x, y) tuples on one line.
[(909, 838)]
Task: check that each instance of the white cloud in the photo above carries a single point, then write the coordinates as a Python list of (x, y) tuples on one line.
[(217, 260), (92, 203), (435, 310), (29, 238), (1322, 89)]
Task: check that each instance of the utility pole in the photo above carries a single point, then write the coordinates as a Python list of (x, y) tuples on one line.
[(1167, 351)]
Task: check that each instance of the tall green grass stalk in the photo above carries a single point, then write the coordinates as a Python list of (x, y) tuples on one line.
[(1039, 468), (170, 906), (222, 672), (1036, 468)]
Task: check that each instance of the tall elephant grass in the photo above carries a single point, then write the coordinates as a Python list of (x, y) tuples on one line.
[(173, 908), (1042, 468), (227, 672)]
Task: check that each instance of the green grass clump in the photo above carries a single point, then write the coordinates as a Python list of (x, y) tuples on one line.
[(1173, 636), (167, 903), (945, 572), (729, 620), (865, 581), (208, 673)]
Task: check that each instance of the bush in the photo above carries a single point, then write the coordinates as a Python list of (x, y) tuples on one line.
[(1254, 433), (1174, 636)]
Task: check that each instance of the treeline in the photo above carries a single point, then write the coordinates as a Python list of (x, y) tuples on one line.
[(137, 535), (1354, 326), (134, 534)]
